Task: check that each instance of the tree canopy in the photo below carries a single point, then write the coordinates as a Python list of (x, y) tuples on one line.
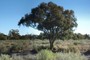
[(50, 18), (14, 34)]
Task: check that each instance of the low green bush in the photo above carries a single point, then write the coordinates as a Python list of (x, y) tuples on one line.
[(49, 55), (45, 55)]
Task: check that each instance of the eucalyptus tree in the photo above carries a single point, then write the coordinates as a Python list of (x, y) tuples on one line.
[(50, 18)]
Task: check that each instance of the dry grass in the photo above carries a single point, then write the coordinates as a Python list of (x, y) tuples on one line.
[(46, 55), (22, 45), (69, 48)]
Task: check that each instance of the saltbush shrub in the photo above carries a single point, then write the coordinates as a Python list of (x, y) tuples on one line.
[(45, 55)]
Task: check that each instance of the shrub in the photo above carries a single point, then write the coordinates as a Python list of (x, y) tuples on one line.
[(73, 48), (45, 55), (4, 49), (15, 57), (5, 57), (16, 48), (49, 55), (66, 48), (70, 56)]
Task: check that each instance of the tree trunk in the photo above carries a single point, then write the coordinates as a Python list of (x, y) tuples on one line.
[(51, 44)]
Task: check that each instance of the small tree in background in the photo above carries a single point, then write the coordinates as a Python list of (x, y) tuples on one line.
[(14, 34), (3, 36), (53, 20)]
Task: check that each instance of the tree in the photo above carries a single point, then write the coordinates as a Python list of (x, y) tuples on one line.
[(53, 20), (14, 34), (25, 37), (86, 36), (41, 36), (3, 36)]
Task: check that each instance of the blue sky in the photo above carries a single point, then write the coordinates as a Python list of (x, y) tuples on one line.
[(12, 10)]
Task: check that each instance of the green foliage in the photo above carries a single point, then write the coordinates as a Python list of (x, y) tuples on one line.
[(52, 19), (45, 55), (3, 36), (14, 34)]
